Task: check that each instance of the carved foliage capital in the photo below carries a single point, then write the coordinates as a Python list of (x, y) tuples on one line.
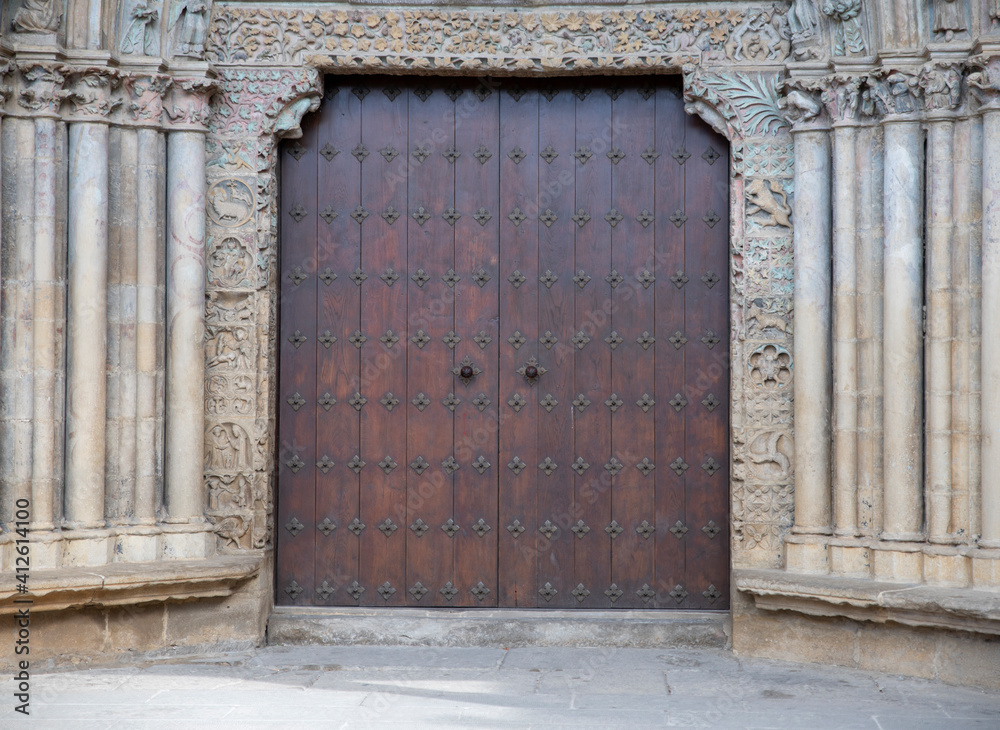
[(40, 87), (187, 104), (737, 104), (145, 96), (89, 91)]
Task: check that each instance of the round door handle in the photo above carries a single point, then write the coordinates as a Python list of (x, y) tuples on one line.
[(531, 372), (467, 372)]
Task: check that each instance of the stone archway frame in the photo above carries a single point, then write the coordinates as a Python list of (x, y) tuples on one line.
[(270, 62)]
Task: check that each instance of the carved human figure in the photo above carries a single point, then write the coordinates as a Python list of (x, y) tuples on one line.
[(189, 27), (949, 18), (138, 37), (230, 349), (38, 16), (847, 35), (995, 10), (803, 19)]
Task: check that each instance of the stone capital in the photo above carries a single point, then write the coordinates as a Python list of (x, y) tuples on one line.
[(144, 97), (186, 104), (40, 87), (985, 82), (894, 95), (90, 92), (941, 86), (842, 96), (803, 104)]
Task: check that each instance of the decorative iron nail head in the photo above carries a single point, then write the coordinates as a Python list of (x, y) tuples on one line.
[(614, 529), (515, 529), (294, 526), (645, 530), (298, 213), (421, 216), (329, 151), (679, 529), (678, 593), (355, 591), (548, 403), (293, 589), (479, 591), (356, 464), (517, 154), (614, 402), (357, 527), (388, 464), (711, 529), (614, 592), (295, 463), (678, 402), (450, 528), (481, 528), (326, 526), (548, 466), (613, 217), (325, 590), (451, 339), (297, 338), (450, 466), (388, 527), (580, 592), (614, 339), (649, 155), (481, 465), (325, 464), (679, 279), (418, 590), (580, 529), (581, 402), (386, 590), (646, 593), (389, 401), (419, 527), (448, 591), (516, 465), (547, 592), (420, 278), (358, 276), (329, 215), (614, 278), (327, 401), (296, 401), (517, 402), (419, 465), (614, 466), (679, 466), (421, 401)]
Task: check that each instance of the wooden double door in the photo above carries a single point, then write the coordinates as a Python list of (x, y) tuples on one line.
[(504, 348)]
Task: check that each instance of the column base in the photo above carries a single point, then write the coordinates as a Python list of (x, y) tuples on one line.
[(902, 536)]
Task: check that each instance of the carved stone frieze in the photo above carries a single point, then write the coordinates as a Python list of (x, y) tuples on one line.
[(895, 93), (737, 105), (434, 40), (848, 31), (187, 27)]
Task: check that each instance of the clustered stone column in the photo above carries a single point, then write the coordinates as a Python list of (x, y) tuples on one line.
[(104, 219), (911, 494)]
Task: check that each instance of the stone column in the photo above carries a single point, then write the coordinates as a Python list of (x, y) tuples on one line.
[(812, 242), (941, 87), (966, 240), (869, 166), (146, 100), (187, 110), (47, 298), (88, 249), (842, 104), (16, 313), (990, 525), (903, 307)]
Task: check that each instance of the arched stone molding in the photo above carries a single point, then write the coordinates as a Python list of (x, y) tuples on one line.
[(261, 104)]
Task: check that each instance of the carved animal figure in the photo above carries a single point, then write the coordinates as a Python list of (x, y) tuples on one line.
[(766, 319), (801, 106), (761, 200), (231, 207), (764, 449)]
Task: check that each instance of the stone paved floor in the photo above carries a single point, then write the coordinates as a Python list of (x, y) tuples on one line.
[(413, 687)]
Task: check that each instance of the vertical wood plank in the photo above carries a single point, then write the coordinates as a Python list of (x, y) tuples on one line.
[(556, 197), (633, 361), (706, 314), (674, 395), (477, 192), (518, 319), (591, 418), (383, 356), (297, 448), (430, 186), (337, 423)]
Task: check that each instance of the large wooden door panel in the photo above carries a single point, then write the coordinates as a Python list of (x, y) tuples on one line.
[(440, 241)]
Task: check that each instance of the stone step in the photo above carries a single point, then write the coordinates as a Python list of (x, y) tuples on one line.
[(501, 628)]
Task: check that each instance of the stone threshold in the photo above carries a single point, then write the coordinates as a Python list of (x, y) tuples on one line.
[(499, 628), (912, 604), (118, 584)]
